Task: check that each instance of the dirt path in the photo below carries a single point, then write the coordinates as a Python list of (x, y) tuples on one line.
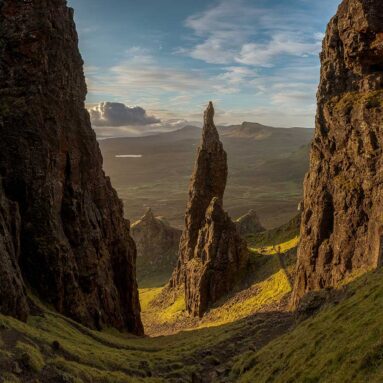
[(257, 331)]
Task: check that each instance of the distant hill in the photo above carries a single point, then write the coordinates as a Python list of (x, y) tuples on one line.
[(266, 170)]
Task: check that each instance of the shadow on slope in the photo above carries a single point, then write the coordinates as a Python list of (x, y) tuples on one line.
[(52, 348), (342, 343)]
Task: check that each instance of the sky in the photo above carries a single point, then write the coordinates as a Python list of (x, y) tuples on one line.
[(154, 64)]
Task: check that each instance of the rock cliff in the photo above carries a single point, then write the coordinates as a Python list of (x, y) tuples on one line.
[(249, 224), (64, 225), (211, 253), (157, 247), (342, 221), (12, 292)]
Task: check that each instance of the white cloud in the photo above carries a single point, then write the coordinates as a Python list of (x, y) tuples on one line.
[(262, 54), (117, 114), (236, 75), (234, 31), (140, 74)]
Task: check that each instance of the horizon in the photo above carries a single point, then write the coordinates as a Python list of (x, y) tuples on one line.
[(188, 126), (157, 64)]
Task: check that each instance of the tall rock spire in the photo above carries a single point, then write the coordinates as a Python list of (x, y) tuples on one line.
[(342, 221), (70, 239), (211, 252)]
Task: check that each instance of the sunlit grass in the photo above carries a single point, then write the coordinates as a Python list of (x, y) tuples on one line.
[(279, 248), (147, 296), (343, 343), (268, 284)]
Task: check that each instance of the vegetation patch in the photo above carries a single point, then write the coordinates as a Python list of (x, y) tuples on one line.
[(277, 236), (347, 101), (343, 343)]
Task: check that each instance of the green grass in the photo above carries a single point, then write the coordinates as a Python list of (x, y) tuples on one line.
[(147, 296), (343, 343), (30, 355), (279, 248), (264, 284), (103, 357), (277, 236)]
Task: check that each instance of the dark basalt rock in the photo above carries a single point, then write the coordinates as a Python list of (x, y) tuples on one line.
[(12, 292), (211, 253), (219, 258), (69, 237), (157, 245), (342, 221), (249, 224)]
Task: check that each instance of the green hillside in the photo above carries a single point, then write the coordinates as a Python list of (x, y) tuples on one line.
[(343, 343), (249, 336)]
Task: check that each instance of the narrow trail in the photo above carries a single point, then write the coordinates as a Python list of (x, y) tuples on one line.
[(256, 332)]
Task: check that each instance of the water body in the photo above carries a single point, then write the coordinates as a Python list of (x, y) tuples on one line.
[(129, 156)]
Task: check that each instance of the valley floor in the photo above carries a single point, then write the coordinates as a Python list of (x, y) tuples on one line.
[(249, 337)]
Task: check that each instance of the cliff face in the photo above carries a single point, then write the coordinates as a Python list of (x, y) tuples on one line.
[(157, 246), (72, 241), (342, 221), (12, 293), (211, 252)]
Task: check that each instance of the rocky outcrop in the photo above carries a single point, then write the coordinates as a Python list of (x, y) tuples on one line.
[(342, 222), (211, 253), (64, 221), (219, 258), (12, 292), (157, 246), (249, 224)]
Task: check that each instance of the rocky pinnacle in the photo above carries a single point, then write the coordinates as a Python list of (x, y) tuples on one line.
[(211, 252)]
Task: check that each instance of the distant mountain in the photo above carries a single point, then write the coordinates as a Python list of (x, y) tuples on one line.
[(267, 166)]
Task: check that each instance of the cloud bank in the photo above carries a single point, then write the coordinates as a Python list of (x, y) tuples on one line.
[(116, 114), (114, 119)]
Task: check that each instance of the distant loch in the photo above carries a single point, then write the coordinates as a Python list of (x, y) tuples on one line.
[(129, 156)]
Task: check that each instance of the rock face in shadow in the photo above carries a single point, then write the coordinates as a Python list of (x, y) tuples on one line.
[(12, 292), (211, 253), (249, 224), (342, 221), (157, 245), (65, 222)]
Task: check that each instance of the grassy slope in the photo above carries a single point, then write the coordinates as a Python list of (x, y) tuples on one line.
[(263, 288), (27, 351), (277, 236), (89, 356), (343, 343), (246, 339)]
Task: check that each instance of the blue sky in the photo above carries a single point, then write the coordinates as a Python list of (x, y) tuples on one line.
[(256, 59)]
